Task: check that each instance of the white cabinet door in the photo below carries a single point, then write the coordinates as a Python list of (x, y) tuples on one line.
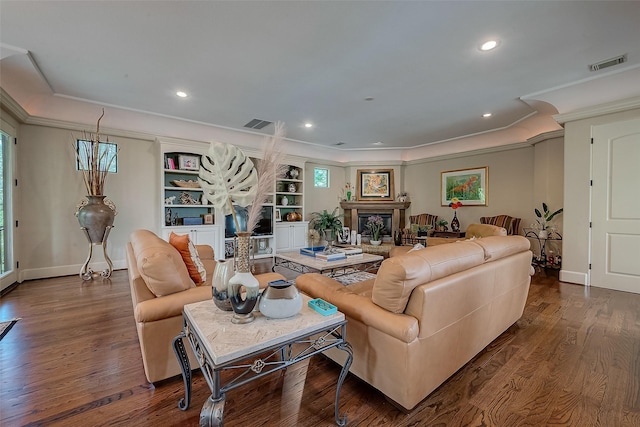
[(207, 235), (283, 239), (291, 236), (299, 235)]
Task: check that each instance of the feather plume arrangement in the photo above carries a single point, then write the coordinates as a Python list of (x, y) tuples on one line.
[(270, 168), (94, 163)]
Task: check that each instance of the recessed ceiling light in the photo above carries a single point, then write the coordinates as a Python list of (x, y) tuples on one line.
[(369, 98), (378, 143), (487, 115), (181, 94), (308, 125), (489, 45)]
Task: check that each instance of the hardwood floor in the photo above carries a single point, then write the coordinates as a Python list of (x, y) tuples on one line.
[(573, 359)]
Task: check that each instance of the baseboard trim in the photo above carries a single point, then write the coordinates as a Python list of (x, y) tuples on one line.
[(573, 277), (65, 270)]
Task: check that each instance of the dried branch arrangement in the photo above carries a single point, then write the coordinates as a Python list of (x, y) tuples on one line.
[(94, 164), (270, 168)]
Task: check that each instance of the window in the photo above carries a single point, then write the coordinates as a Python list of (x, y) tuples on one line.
[(321, 177), (107, 155)]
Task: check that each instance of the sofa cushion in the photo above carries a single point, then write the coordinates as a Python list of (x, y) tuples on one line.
[(496, 247), (398, 276), (190, 256), (159, 264)]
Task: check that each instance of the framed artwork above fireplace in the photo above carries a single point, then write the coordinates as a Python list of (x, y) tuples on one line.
[(376, 184)]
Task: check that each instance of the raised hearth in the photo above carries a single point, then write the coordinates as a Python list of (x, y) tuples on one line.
[(396, 209)]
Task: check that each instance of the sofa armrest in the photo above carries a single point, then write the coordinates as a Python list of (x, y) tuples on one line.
[(205, 252), (358, 307), (170, 305)]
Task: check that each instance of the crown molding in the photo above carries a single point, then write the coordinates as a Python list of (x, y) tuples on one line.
[(15, 109), (509, 147), (599, 110), (546, 136)]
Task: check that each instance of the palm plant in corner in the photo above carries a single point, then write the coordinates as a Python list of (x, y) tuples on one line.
[(229, 178), (95, 215)]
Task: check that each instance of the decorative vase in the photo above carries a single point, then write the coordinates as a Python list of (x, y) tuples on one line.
[(397, 238), (243, 279), (376, 242), (284, 201), (280, 300), (96, 217), (220, 282), (455, 224), (348, 195), (293, 173), (292, 188)]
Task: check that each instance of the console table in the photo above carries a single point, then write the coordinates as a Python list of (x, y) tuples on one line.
[(253, 350), (449, 234)]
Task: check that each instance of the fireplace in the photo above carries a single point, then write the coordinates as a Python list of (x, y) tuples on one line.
[(354, 211), (387, 219)]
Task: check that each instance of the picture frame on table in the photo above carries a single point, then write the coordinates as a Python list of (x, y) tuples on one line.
[(188, 163), (208, 218), (278, 215), (469, 186), (376, 184)]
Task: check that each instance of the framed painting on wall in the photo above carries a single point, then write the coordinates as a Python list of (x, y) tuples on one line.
[(375, 184), (469, 186)]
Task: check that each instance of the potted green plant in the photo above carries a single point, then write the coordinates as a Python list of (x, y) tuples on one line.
[(442, 224), (544, 218), (325, 221)]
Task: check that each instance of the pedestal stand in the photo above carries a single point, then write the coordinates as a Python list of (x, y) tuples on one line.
[(85, 272)]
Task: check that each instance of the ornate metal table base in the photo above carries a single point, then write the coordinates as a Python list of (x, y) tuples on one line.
[(85, 272), (246, 370), (328, 270)]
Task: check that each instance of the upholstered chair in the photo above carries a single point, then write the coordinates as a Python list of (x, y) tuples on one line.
[(511, 224)]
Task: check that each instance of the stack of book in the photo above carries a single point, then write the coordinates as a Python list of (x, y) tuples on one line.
[(331, 256), (351, 252)]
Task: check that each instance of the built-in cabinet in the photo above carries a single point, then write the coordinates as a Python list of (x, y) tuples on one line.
[(291, 236), (290, 194), (185, 211)]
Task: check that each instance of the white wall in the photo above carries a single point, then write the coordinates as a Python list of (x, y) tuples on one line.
[(577, 167)]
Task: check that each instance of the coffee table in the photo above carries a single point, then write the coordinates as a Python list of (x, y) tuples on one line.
[(307, 264), (250, 351)]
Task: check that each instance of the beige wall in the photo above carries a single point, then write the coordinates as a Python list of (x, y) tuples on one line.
[(50, 242), (577, 175), (50, 239), (510, 185)]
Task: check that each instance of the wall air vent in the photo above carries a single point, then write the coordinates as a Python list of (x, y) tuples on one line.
[(257, 124), (608, 63), (339, 143)]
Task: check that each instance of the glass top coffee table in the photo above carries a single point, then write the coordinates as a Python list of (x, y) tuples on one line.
[(300, 263), (250, 351)]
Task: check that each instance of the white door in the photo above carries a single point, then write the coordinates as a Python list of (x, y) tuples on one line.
[(615, 206), (8, 273)]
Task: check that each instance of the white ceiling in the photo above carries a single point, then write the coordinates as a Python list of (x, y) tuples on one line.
[(298, 61)]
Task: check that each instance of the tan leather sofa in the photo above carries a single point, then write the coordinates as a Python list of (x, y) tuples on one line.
[(428, 312), (156, 267)]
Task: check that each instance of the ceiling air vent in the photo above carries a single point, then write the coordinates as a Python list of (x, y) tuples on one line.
[(257, 124), (608, 63), (339, 143)]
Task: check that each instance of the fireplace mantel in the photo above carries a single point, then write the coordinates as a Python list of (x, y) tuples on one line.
[(396, 209)]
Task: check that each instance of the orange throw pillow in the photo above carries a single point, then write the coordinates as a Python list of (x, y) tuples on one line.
[(190, 257)]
